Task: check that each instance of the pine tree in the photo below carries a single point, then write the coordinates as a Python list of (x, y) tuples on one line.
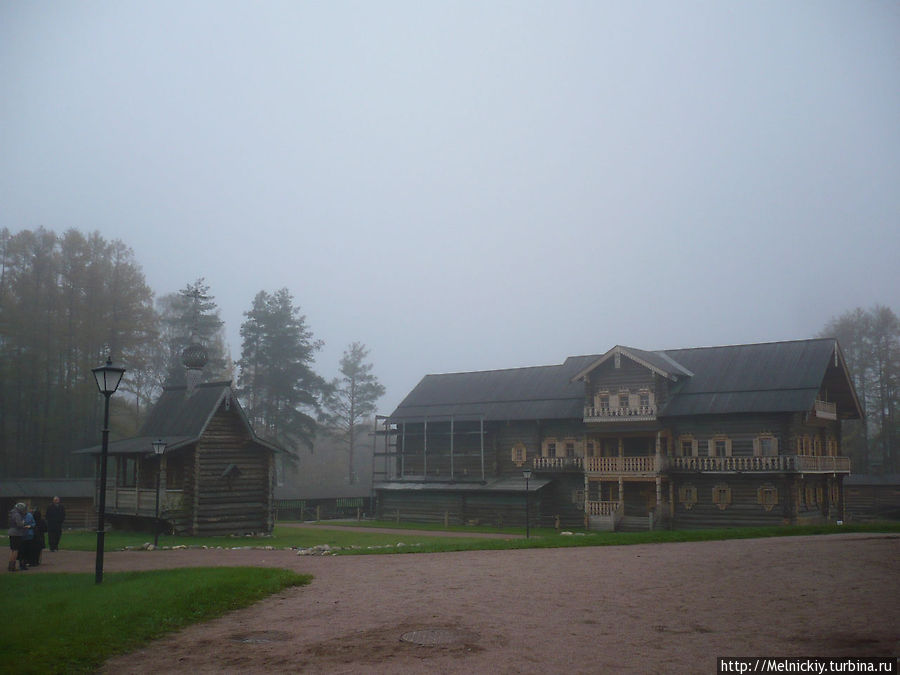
[(277, 385), (353, 399), (192, 313)]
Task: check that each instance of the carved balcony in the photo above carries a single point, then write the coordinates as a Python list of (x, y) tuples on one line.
[(641, 413)]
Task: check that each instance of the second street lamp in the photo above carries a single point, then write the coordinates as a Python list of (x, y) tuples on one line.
[(108, 377), (159, 447), (527, 475)]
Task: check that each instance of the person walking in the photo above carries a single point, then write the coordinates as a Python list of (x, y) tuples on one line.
[(16, 532), (56, 516)]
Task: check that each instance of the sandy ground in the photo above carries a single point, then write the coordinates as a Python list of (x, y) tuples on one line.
[(667, 608)]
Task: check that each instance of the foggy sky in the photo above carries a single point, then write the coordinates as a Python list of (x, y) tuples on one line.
[(469, 185)]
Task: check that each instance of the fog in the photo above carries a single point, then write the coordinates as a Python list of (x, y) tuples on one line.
[(464, 185)]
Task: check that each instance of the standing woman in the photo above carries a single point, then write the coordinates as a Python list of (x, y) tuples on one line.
[(56, 516), (16, 532)]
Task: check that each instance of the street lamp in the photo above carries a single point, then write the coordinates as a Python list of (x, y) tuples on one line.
[(527, 475), (159, 447), (108, 377)]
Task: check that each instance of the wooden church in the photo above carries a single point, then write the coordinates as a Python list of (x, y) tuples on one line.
[(216, 475)]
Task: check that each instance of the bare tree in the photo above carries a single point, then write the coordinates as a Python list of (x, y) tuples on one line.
[(353, 400)]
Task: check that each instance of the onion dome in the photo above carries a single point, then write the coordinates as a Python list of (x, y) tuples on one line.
[(194, 356)]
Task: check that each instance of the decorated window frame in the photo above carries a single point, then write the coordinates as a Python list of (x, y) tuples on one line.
[(686, 442), (767, 496), (519, 454), (765, 445), (720, 443), (721, 496), (687, 495)]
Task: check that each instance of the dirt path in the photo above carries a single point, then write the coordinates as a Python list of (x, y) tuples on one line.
[(668, 608)]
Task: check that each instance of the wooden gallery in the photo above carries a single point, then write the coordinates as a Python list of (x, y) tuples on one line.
[(630, 439)]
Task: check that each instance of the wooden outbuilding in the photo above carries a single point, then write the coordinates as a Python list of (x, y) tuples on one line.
[(629, 439)]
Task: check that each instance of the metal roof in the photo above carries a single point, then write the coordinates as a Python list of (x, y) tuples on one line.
[(752, 378), (47, 487), (539, 392), (180, 419), (767, 377)]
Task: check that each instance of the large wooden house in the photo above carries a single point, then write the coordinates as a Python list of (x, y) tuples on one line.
[(717, 436), (216, 476)]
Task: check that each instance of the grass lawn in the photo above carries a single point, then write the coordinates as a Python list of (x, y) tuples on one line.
[(65, 623), (338, 535)]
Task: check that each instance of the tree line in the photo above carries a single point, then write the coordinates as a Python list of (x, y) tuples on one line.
[(870, 342), (70, 300)]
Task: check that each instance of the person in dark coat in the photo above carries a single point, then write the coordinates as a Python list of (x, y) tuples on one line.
[(37, 545), (56, 516)]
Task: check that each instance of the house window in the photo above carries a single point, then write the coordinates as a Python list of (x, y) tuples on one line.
[(719, 446), (603, 401), (765, 445), (570, 448), (518, 454), (767, 496), (687, 446), (645, 399), (589, 448), (551, 449), (687, 496), (623, 399), (721, 495), (817, 445), (127, 472)]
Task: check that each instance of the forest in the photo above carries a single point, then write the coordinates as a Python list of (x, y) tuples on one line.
[(69, 301)]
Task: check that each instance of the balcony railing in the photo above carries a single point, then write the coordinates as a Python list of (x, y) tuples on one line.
[(621, 465), (825, 410), (776, 463), (558, 463), (602, 508), (641, 413), (141, 501)]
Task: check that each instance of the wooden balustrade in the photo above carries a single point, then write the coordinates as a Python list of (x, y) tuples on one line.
[(141, 501), (602, 508), (778, 463), (558, 463), (645, 464), (636, 413), (825, 410)]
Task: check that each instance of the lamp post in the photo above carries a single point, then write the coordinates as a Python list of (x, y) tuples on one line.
[(108, 377), (527, 475), (159, 447)]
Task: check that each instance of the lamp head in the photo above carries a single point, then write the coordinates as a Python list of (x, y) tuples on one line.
[(108, 377), (159, 446)]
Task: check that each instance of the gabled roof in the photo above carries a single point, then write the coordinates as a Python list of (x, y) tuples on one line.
[(181, 419), (541, 392), (752, 378), (658, 362)]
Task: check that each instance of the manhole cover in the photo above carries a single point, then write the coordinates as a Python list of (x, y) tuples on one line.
[(439, 636), (261, 636)]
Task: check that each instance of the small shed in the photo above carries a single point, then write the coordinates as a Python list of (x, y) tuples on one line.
[(76, 494)]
